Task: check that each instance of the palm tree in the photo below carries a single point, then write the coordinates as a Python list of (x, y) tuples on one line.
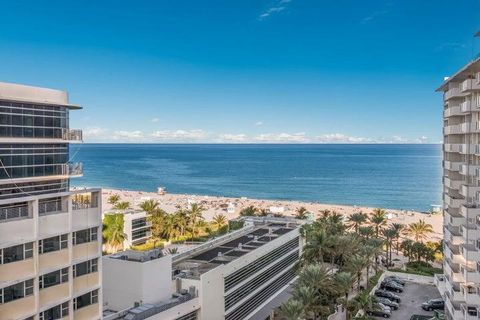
[(356, 264), (365, 232), (356, 220), (343, 283), (170, 228), (157, 220), (195, 215), (398, 227), (123, 205), (248, 211), (149, 205), (419, 230), (389, 235), (219, 220), (406, 248), (369, 252), (182, 221), (113, 199), (378, 219), (314, 250), (112, 231), (302, 213), (307, 296), (292, 310), (263, 212), (364, 302)]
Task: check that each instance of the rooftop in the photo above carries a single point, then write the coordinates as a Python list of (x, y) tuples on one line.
[(462, 74), (138, 256), (22, 93), (230, 247)]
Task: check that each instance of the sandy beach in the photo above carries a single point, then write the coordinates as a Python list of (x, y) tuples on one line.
[(218, 205)]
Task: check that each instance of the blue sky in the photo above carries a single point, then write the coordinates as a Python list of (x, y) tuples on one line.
[(243, 71)]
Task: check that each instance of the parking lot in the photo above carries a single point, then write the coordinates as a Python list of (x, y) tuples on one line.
[(412, 298)]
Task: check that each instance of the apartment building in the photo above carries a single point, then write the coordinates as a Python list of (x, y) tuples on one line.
[(136, 227), (460, 284), (241, 275), (50, 236)]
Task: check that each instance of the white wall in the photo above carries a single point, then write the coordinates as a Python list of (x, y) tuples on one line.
[(127, 282)]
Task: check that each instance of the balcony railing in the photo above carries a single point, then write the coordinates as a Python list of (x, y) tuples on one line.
[(72, 135), (470, 84), (73, 169), (14, 212)]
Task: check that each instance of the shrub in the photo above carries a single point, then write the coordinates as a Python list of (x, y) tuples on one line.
[(148, 246)]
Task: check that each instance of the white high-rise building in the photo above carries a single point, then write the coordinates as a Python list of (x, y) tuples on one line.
[(460, 284), (50, 236)]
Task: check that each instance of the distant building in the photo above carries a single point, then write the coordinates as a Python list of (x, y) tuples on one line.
[(50, 236), (136, 227), (460, 284), (241, 275)]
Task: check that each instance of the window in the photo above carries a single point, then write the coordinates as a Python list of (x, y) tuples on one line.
[(139, 223), (55, 313), (86, 267), (83, 236), (53, 244), (16, 291), (85, 300), (53, 278), (16, 253)]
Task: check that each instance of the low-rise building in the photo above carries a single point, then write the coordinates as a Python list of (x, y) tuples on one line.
[(235, 276)]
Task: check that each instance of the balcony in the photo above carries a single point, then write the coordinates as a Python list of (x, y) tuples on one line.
[(468, 169), (465, 106), (470, 252), (470, 85), (73, 169), (453, 129), (72, 135), (451, 147), (469, 191), (453, 288), (470, 273), (453, 234), (469, 231), (453, 201), (469, 210), (453, 183), (468, 148), (453, 93), (453, 111), (454, 217), (454, 308), (452, 165), (469, 312)]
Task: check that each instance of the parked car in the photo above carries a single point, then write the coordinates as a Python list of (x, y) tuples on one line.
[(387, 294), (380, 310), (391, 286), (433, 304), (396, 279), (387, 302)]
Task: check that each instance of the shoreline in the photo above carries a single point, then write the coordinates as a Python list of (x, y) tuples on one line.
[(218, 205)]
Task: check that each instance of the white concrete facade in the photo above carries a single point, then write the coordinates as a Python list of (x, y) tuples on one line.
[(50, 237), (460, 284), (232, 277)]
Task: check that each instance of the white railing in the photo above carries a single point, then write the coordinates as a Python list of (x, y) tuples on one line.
[(72, 135), (73, 169), (14, 212)]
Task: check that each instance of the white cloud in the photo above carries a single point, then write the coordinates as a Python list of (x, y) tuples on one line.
[(179, 135), (299, 137), (277, 7), (123, 135), (94, 132), (155, 120), (233, 137), (341, 138), (259, 123)]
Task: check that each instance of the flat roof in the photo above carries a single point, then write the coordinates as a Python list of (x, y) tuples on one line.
[(230, 249), (14, 92), (462, 74)]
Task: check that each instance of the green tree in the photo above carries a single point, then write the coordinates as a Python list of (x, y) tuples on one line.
[(356, 220), (112, 232), (378, 219), (419, 231), (316, 246), (292, 310), (123, 205), (219, 220), (406, 248), (149, 205), (366, 232), (157, 219), (113, 199), (356, 265), (398, 227), (249, 211), (389, 235), (302, 213), (195, 215)]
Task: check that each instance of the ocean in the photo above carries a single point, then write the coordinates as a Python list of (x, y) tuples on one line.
[(389, 176)]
